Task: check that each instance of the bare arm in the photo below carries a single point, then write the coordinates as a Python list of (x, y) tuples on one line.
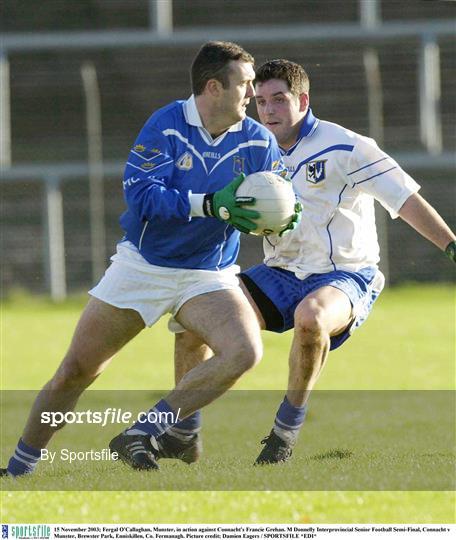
[(420, 215)]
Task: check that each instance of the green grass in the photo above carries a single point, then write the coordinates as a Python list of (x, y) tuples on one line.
[(407, 344), (353, 440), (228, 507)]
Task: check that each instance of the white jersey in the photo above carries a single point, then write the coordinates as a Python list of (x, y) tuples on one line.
[(337, 174)]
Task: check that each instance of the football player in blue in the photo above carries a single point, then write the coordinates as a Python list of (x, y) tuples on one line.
[(178, 256), (321, 279)]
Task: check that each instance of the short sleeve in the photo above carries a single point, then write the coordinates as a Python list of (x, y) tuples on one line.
[(376, 173)]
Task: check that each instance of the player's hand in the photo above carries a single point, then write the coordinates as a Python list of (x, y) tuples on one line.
[(294, 221), (224, 205), (451, 251)]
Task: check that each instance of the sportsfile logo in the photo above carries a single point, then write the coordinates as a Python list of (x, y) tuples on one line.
[(4, 531), (27, 532), (108, 416)]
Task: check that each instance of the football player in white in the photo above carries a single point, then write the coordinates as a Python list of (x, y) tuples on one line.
[(321, 279)]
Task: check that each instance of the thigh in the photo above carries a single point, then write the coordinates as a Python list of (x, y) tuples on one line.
[(330, 306), (221, 319), (102, 331)]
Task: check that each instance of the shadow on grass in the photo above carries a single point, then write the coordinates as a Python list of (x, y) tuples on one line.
[(333, 454)]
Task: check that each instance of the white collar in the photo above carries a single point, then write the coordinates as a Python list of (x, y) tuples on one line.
[(192, 116)]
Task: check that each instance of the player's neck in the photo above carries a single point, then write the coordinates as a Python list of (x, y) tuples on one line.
[(289, 142), (212, 121), (292, 137)]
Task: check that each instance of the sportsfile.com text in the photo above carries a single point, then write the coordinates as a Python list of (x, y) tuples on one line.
[(108, 416)]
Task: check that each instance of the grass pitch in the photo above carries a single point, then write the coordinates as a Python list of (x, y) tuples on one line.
[(407, 344)]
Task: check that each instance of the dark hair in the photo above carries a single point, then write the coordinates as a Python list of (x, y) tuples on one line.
[(290, 72), (212, 61)]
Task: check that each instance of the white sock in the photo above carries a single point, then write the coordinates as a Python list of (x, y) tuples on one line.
[(290, 436)]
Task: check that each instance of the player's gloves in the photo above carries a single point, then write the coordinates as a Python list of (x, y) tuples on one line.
[(450, 251), (294, 221), (224, 205)]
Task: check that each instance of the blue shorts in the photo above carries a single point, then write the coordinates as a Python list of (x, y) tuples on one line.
[(277, 293)]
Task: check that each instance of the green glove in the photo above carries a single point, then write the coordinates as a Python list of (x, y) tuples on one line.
[(450, 251), (294, 221), (224, 205)]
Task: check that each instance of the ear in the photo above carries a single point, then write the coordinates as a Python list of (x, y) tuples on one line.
[(214, 87), (304, 102)]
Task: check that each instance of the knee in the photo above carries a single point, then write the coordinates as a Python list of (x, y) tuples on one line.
[(309, 319), (72, 374), (245, 354)]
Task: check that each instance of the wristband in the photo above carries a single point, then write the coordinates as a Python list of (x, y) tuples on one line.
[(208, 205), (210, 211), (450, 251)]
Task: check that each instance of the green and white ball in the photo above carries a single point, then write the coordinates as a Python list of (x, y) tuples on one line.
[(275, 200)]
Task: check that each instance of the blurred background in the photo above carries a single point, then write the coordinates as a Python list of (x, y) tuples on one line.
[(79, 79)]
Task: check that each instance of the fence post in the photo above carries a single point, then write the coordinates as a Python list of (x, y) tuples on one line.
[(370, 18), (429, 91), (5, 111), (54, 240), (95, 158), (161, 16)]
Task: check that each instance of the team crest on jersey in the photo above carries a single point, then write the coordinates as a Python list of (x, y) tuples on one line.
[(238, 164), (275, 165), (147, 166), (185, 162), (316, 171)]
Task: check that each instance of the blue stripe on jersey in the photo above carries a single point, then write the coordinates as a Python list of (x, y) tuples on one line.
[(368, 165), (375, 175), (178, 134), (330, 244), (344, 147), (329, 233)]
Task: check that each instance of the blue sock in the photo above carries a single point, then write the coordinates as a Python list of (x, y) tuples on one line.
[(187, 427), (24, 459), (156, 421), (289, 420)]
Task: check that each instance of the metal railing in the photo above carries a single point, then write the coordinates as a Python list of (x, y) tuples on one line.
[(53, 175)]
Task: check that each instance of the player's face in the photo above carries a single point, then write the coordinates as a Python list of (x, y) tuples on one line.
[(280, 110), (237, 96)]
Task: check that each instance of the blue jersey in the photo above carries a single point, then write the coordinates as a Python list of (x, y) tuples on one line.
[(174, 156)]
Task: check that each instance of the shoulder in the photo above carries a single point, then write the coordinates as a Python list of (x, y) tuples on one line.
[(168, 116), (337, 133), (353, 144), (340, 133), (157, 126)]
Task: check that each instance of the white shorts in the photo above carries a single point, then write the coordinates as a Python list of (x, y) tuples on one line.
[(131, 282)]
